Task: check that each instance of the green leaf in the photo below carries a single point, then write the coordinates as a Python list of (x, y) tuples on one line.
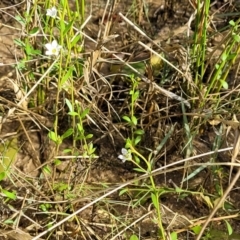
[(8, 221), (20, 19), (67, 75), (135, 96), (173, 236), (8, 194), (128, 143), (68, 27), (224, 84), (140, 67), (139, 170), (139, 132), (28, 49), (2, 175), (154, 198), (34, 31), (229, 228), (89, 136), (52, 135), (124, 190), (224, 57), (137, 140), (80, 128), (196, 229), (232, 23), (67, 150), (236, 38), (84, 113), (134, 120), (136, 159), (126, 118), (69, 104), (57, 162), (47, 169), (178, 190), (62, 26), (72, 113), (45, 207), (21, 65), (231, 56), (75, 40), (68, 133), (19, 42), (90, 148), (8, 152), (134, 237)]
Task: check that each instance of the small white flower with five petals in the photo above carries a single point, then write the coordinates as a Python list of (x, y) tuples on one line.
[(126, 155), (53, 48), (52, 12)]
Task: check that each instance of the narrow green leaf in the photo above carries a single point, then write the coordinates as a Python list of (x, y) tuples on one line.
[(229, 228), (47, 169), (8, 194), (68, 133), (62, 26), (72, 113), (137, 140), (34, 31), (154, 200), (75, 40), (19, 42), (67, 27), (69, 104), (123, 191), (139, 170), (20, 19), (67, 75)]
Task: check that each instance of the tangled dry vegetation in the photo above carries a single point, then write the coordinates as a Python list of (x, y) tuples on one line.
[(154, 83)]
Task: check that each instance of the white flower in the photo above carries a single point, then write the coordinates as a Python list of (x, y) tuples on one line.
[(52, 12), (126, 155), (52, 48)]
